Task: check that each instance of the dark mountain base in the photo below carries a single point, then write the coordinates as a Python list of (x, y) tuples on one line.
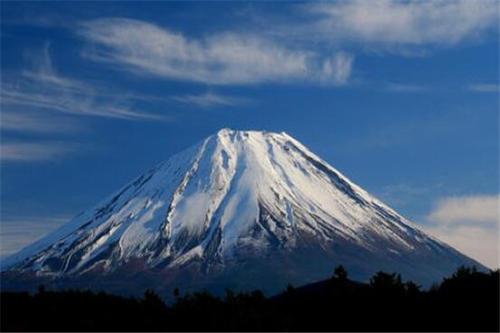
[(467, 301), (269, 272)]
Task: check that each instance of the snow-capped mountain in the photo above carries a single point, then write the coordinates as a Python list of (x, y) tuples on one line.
[(242, 209)]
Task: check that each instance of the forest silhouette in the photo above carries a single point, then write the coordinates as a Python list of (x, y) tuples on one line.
[(466, 301)]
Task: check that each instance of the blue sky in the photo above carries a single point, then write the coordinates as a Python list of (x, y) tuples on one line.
[(402, 97)]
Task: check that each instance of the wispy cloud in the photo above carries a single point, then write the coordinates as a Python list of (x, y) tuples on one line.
[(45, 73), (471, 224), (20, 232), (223, 58), (413, 22), (35, 122), (472, 209), (43, 88), (476, 242), (34, 151), (81, 104), (208, 100), (485, 87)]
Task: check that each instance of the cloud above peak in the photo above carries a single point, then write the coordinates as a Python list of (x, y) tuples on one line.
[(34, 151), (209, 99), (43, 88), (219, 59), (440, 22)]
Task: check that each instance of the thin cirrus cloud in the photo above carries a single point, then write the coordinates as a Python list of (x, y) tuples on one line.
[(41, 101), (81, 104), (485, 88), (34, 151), (469, 223), (20, 232), (208, 100), (404, 22), (35, 122), (219, 59), (45, 89)]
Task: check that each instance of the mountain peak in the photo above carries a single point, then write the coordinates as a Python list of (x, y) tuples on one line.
[(245, 133), (225, 131), (240, 198)]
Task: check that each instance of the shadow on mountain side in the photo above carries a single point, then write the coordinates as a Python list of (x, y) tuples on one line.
[(466, 301)]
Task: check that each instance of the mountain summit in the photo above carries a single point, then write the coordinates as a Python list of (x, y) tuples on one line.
[(242, 210)]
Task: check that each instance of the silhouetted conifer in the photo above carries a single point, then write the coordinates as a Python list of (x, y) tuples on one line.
[(340, 273)]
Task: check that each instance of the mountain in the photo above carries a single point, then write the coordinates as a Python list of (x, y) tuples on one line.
[(241, 210)]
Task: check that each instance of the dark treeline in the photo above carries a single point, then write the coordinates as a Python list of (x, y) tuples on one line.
[(466, 301)]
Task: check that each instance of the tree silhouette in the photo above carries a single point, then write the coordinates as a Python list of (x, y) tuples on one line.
[(389, 284), (340, 273), (466, 301), (411, 288), (176, 293), (152, 301)]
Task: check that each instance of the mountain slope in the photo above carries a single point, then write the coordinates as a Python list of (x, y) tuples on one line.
[(244, 209)]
